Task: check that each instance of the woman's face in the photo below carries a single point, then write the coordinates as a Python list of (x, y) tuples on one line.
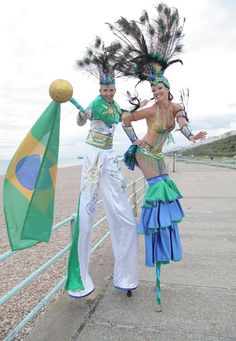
[(108, 92), (160, 91)]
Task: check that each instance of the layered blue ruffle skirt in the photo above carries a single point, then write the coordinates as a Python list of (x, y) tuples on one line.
[(161, 212)]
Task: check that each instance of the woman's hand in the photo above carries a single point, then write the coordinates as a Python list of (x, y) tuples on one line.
[(199, 136), (139, 143), (143, 103)]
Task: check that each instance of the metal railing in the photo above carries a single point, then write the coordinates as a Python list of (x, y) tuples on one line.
[(51, 261)]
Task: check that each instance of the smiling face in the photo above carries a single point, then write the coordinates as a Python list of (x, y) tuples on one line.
[(108, 92), (160, 91)]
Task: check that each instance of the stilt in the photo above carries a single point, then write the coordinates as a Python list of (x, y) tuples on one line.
[(158, 307), (129, 293)]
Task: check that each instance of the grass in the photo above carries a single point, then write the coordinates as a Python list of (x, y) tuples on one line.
[(225, 148)]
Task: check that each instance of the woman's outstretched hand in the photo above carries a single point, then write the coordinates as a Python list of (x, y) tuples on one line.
[(143, 103), (199, 136)]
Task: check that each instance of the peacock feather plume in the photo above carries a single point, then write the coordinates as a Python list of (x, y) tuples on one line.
[(149, 45), (184, 99), (99, 61)]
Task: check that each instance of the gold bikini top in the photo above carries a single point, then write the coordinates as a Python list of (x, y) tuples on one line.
[(161, 134)]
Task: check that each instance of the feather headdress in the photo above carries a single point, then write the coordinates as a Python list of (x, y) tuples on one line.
[(149, 46), (184, 99), (99, 61)]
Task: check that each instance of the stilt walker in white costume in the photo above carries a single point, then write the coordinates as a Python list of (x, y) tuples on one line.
[(102, 171)]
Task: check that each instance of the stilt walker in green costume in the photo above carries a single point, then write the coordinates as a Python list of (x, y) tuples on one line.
[(148, 48), (102, 171)]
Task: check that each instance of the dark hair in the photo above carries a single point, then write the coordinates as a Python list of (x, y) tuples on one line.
[(170, 96)]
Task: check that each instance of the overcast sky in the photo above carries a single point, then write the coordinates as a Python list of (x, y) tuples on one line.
[(40, 40)]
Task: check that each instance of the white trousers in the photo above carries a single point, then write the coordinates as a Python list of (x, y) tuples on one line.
[(101, 170)]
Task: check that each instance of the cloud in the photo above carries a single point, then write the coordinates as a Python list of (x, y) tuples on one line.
[(41, 41), (224, 121), (232, 105)]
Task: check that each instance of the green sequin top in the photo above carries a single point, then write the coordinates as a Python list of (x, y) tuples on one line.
[(108, 113)]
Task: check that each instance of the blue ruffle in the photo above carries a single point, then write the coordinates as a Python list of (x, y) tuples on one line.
[(129, 157), (158, 178), (160, 216), (159, 223), (163, 246)]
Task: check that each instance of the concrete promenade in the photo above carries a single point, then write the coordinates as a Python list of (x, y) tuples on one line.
[(198, 294)]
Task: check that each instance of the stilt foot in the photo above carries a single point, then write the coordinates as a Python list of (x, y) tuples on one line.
[(129, 293), (158, 308)]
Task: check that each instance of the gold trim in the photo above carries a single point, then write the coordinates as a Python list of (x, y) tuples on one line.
[(99, 140), (150, 151)]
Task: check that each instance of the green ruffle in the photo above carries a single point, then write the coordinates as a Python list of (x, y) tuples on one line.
[(171, 184), (164, 191)]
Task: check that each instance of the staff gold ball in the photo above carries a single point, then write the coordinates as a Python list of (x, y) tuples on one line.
[(61, 91)]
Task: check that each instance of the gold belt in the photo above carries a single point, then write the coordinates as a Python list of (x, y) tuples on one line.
[(99, 140), (150, 151)]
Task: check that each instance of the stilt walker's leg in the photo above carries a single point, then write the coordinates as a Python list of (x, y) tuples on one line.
[(158, 287), (122, 226)]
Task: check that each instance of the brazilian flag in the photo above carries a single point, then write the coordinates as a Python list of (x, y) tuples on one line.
[(29, 184)]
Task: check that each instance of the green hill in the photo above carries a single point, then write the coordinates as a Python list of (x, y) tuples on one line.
[(221, 148)]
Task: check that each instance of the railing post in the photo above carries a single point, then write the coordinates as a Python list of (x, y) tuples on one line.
[(174, 162), (72, 227), (135, 200), (145, 185)]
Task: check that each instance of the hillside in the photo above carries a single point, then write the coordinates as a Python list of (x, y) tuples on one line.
[(221, 148)]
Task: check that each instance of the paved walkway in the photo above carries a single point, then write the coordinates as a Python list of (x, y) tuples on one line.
[(198, 294)]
